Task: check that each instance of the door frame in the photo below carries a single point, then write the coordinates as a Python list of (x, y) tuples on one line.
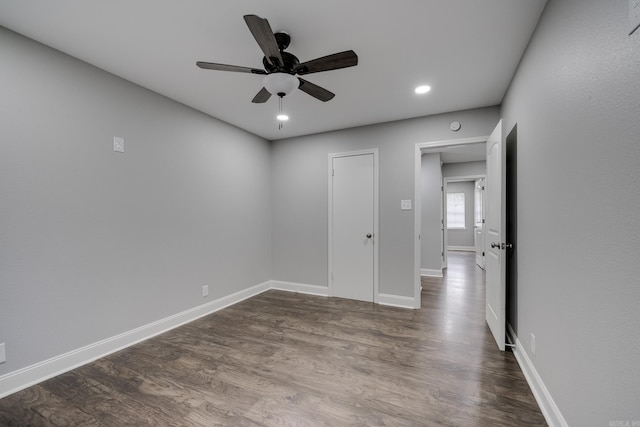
[(374, 151), (417, 219), (482, 208), (445, 182)]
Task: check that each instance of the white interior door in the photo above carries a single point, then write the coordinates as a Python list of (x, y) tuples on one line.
[(352, 227), (495, 226), (478, 221)]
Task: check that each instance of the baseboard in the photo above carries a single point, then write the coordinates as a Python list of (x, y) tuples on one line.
[(431, 272), (461, 248), (548, 406), (34, 374), (299, 288), (397, 301)]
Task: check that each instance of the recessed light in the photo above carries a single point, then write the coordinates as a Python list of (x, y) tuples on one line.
[(423, 89), (282, 117)]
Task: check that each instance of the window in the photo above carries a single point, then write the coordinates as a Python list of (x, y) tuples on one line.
[(455, 211)]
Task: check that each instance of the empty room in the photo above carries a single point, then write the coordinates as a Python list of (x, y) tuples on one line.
[(235, 213)]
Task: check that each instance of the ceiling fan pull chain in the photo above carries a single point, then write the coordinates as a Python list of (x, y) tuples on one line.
[(280, 123)]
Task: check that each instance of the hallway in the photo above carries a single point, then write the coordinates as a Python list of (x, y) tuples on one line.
[(480, 379)]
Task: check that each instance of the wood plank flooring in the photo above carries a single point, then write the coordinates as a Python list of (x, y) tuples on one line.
[(285, 359)]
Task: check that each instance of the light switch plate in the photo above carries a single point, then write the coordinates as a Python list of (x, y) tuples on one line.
[(405, 205), (118, 144), (634, 15)]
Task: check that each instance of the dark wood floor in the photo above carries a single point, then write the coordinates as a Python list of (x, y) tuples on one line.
[(283, 359)]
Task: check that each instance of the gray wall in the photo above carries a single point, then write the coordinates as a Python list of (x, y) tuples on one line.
[(95, 243), (451, 170), (300, 194), (463, 237), (576, 101), (431, 232)]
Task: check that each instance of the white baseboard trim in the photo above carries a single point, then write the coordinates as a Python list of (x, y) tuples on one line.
[(548, 406), (300, 288), (431, 272), (397, 301), (41, 371), (31, 375), (461, 248)]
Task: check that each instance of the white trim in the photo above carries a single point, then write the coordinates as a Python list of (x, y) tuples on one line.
[(376, 214), (444, 143), (461, 248), (396, 301), (547, 405), (38, 372), (28, 376), (300, 288), (430, 272), (463, 178)]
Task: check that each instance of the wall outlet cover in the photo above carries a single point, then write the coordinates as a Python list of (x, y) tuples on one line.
[(118, 144), (533, 344), (405, 205)]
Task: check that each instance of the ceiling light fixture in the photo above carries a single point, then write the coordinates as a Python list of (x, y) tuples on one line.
[(422, 89), (281, 84)]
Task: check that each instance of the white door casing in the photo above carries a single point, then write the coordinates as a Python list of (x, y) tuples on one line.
[(433, 146), (495, 227), (353, 225), (478, 224)]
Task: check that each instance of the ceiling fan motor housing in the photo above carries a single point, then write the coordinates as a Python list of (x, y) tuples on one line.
[(289, 59)]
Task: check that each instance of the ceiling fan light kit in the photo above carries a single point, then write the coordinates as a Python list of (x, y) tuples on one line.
[(281, 68), (281, 84)]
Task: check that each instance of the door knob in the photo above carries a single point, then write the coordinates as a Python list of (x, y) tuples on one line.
[(507, 246), (369, 235), (495, 245)]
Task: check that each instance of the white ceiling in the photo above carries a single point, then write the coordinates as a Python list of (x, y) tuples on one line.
[(461, 154), (466, 50)]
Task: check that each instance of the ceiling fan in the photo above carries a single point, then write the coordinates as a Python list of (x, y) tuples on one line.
[(281, 68)]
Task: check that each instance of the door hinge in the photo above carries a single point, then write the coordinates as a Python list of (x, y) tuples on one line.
[(333, 172), (483, 220), (441, 188), (482, 253), (483, 188)]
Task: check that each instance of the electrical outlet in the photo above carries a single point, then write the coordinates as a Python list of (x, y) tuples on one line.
[(533, 344), (634, 15), (3, 354), (205, 291), (118, 144)]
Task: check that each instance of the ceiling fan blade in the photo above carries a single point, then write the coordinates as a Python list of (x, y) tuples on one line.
[(263, 34), (330, 62), (316, 91), (225, 67), (262, 96)]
